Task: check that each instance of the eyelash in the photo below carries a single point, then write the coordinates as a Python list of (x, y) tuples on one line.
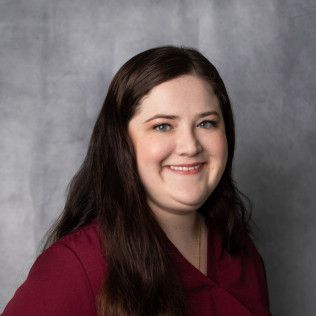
[(214, 123)]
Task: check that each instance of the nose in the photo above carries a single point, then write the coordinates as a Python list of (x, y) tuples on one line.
[(188, 143)]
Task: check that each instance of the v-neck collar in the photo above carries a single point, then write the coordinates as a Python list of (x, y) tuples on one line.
[(195, 281), (190, 275)]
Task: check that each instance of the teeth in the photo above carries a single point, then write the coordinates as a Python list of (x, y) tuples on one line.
[(185, 168)]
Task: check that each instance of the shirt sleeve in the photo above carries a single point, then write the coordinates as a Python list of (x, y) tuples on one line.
[(57, 284)]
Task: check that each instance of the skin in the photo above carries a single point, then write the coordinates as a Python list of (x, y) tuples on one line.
[(162, 142)]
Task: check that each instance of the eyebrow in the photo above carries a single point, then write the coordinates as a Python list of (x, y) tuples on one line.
[(174, 117)]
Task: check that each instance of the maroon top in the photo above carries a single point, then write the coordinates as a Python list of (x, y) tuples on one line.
[(67, 277)]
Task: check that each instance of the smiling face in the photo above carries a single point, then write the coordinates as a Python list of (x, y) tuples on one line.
[(193, 132)]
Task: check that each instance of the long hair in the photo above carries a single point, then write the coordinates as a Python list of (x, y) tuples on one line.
[(141, 279)]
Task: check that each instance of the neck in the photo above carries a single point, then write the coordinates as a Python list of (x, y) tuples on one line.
[(180, 228)]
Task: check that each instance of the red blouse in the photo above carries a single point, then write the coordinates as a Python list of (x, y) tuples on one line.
[(67, 277)]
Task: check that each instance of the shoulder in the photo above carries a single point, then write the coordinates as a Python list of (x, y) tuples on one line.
[(254, 258), (244, 273), (256, 272), (64, 279), (84, 244), (83, 247)]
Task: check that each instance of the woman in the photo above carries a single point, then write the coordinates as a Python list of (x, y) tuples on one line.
[(153, 223)]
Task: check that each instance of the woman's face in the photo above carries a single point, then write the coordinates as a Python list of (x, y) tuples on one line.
[(193, 133)]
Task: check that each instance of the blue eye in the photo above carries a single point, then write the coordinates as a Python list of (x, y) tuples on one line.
[(210, 125), (157, 127)]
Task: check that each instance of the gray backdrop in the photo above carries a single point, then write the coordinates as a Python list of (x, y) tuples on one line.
[(57, 59)]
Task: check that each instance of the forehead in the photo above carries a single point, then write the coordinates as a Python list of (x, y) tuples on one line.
[(186, 94)]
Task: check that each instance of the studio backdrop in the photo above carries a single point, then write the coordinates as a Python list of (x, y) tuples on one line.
[(56, 61)]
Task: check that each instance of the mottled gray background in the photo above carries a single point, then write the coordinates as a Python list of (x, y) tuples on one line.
[(57, 59)]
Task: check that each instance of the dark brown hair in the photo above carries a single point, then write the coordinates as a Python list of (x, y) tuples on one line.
[(141, 279)]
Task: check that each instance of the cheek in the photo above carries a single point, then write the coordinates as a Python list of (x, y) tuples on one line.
[(217, 147), (150, 151)]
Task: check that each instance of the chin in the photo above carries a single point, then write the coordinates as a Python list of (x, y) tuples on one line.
[(187, 202)]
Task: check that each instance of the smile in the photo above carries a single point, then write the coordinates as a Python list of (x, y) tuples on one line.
[(186, 170)]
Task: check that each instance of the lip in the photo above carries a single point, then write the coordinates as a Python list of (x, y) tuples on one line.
[(188, 172), (188, 165)]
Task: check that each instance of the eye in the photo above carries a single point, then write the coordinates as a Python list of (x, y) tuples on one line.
[(159, 127), (210, 124)]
